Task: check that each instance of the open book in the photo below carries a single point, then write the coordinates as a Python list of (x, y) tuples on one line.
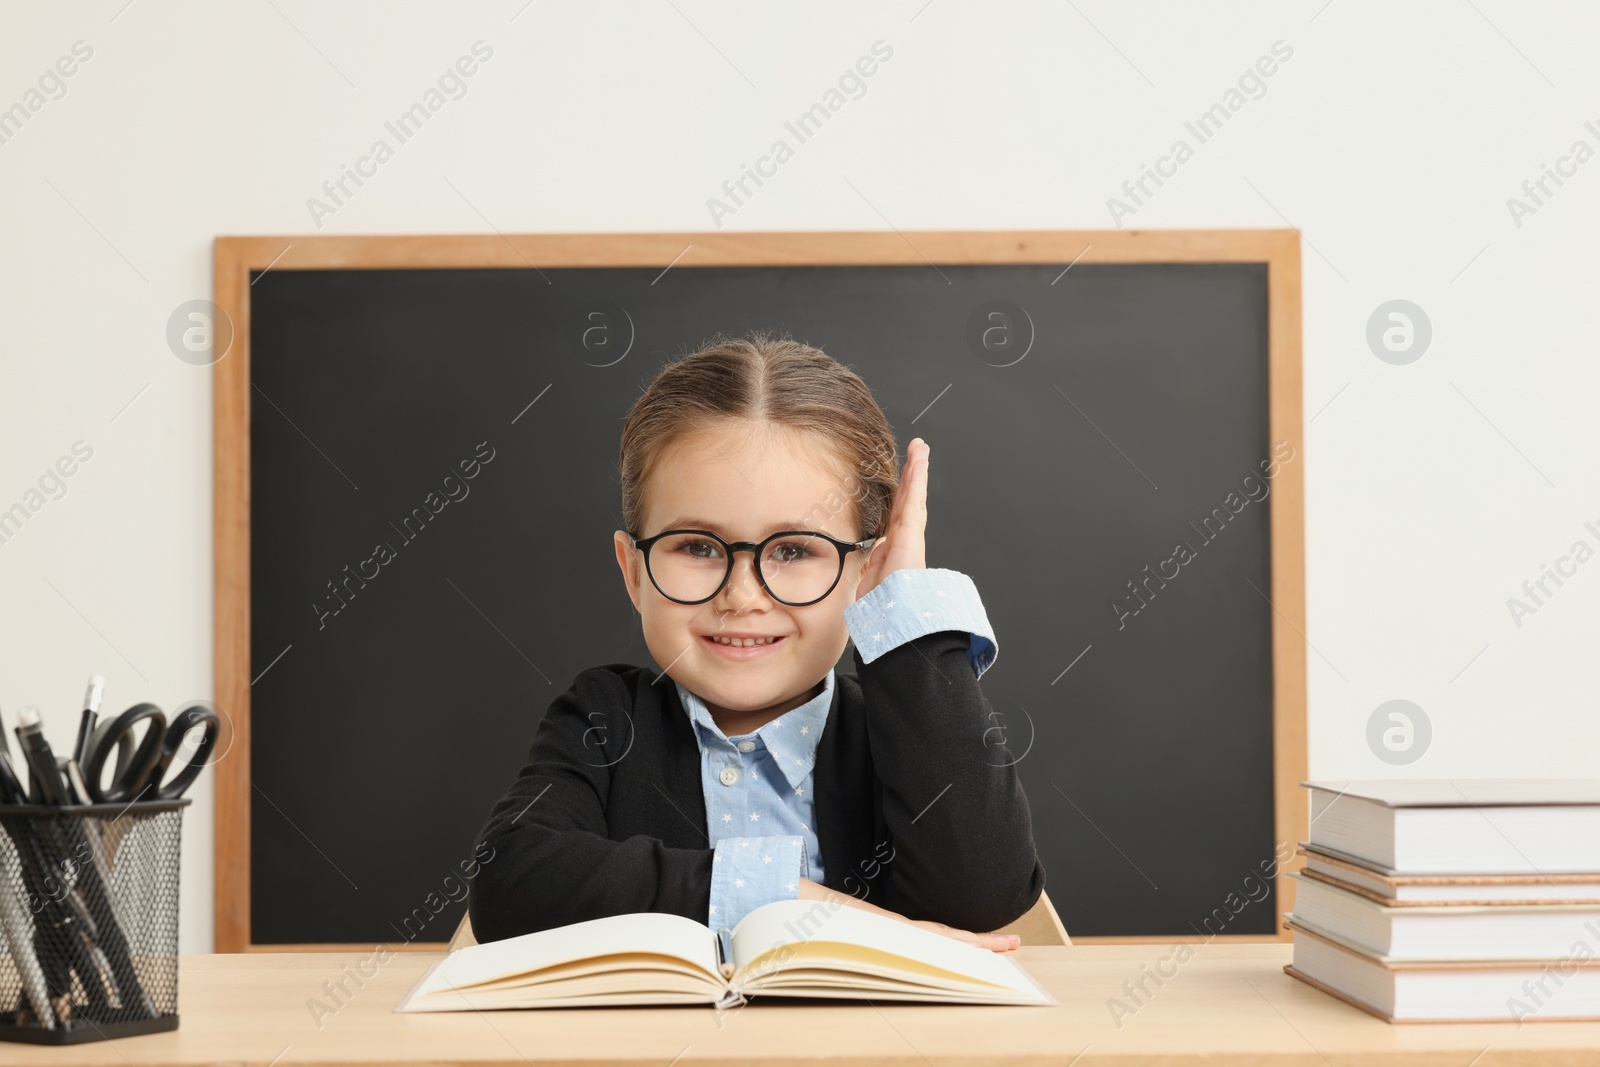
[(791, 948)]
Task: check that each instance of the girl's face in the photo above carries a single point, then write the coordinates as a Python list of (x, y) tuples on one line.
[(742, 481)]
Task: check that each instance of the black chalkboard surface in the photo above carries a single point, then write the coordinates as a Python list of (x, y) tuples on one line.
[(410, 621)]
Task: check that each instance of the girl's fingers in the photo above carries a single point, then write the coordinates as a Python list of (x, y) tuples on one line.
[(993, 942), (996, 942), (904, 491), (912, 519), (903, 543), (919, 498), (898, 504)]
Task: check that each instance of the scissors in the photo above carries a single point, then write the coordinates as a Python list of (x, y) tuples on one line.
[(140, 766)]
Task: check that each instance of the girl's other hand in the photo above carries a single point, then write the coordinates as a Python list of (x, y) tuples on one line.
[(810, 890), (902, 548)]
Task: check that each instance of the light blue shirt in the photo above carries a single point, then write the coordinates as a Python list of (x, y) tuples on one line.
[(760, 813)]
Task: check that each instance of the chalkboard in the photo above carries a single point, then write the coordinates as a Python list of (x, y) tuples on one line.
[(433, 490)]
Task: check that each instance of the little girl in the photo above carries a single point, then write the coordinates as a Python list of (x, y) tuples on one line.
[(765, 529)]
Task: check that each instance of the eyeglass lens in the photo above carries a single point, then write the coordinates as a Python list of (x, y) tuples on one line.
[(797, 567)]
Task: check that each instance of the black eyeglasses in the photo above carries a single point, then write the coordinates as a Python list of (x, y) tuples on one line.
[(795, 567)]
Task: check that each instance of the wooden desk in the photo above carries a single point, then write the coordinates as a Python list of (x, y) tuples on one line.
[(1227, 1004)]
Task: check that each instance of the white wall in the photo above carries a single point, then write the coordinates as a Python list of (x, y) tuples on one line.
[(1392, 138)]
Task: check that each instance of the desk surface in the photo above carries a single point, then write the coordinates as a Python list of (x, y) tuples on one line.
[(1226, 1004)]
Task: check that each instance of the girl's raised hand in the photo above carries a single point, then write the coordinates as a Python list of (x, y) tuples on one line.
[(902, 548)]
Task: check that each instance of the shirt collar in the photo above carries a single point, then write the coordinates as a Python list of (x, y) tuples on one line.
[(791, 738)]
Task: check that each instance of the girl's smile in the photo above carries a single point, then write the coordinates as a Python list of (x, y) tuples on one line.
[(743, 646)]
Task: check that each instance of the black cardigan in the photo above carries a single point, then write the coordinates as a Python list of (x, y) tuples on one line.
[(913, 814)]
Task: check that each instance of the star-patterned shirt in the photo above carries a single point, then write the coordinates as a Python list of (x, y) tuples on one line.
[(762, 822)]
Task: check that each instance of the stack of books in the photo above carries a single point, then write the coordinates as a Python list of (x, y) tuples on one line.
[(1448, 900)]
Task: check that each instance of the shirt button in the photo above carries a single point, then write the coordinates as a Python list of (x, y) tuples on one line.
[(729, 775), (747, 746)]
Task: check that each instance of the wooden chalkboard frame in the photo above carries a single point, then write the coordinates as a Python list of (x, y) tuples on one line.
[(235, 258)]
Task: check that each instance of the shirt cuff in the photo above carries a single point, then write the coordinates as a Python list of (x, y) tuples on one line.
[(747, 872), (911, 603)]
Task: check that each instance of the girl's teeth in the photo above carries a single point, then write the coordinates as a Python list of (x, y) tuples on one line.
[(743, 642)]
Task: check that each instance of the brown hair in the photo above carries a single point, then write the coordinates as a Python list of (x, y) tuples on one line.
[(772, 380)]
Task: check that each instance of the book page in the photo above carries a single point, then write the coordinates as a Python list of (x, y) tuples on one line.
[(619, 936), (869, 943)]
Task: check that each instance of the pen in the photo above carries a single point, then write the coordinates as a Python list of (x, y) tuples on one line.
[(12, 791), (41, 761), (118, 955), (91, 709), (55, 928), (74, 776), (11, 788), (35, 986), (78, 942)]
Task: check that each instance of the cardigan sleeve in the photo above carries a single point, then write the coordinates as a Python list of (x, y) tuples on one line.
[(956, 815), (914, 601), (545, 857)]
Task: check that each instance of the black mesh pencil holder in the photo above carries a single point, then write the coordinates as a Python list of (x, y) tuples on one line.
[(89, 920)]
